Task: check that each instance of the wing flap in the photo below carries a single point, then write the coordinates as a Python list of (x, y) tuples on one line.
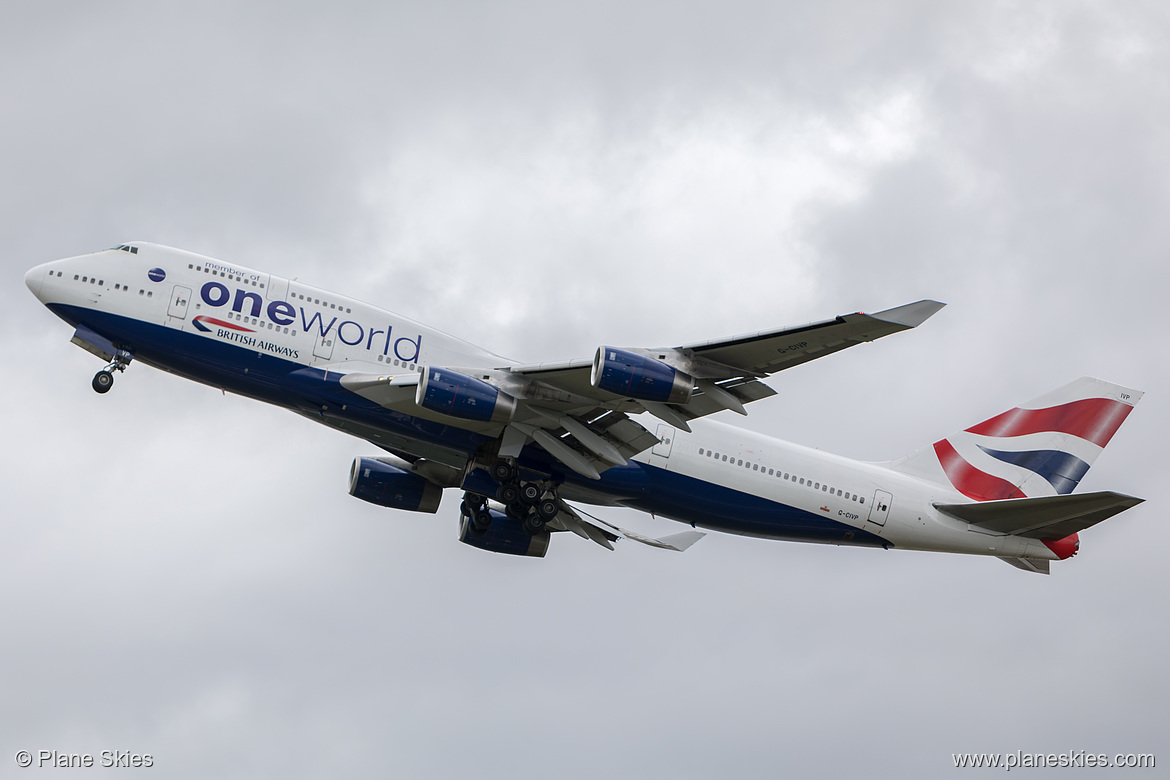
[(1046, 517), (704, 403)]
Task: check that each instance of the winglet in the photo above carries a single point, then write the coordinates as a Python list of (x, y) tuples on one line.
[(677, 542), (594, 527), (911, 315), (681, 541)]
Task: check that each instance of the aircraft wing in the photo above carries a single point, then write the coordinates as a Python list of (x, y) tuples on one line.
[(770, 351), (578, 411), (727, 371)]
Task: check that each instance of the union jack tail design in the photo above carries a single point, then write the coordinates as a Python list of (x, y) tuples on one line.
[(1043, 448)]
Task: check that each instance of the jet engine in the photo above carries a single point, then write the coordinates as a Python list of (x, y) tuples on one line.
[(458, 395), (504, 535), (637, 376), (385, 485)]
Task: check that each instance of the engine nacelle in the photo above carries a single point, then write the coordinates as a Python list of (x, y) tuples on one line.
[(504, 535), (458, 395), (385, 485), (637, 376)]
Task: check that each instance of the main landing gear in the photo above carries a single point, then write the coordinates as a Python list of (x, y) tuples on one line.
[(474, 508), (104, 379), (532, 504)]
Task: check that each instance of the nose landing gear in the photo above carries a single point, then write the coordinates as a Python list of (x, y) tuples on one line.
[(104, 379)]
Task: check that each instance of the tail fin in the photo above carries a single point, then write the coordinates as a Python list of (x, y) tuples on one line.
[(1042, 448)]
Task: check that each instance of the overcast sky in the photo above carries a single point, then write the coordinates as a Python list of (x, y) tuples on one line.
[(182, 573)]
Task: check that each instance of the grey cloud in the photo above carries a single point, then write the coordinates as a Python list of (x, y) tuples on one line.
[(183, 573)]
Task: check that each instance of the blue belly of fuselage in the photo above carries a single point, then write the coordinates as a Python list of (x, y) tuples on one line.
[(316, 393)]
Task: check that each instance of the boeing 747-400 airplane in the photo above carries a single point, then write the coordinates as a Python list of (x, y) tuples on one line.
[(625, 427)]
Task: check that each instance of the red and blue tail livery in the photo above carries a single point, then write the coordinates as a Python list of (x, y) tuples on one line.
[(525, 444), (1042, 448)]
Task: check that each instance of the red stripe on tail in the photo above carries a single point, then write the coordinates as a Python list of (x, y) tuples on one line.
[(969, 480), (1092, 419)]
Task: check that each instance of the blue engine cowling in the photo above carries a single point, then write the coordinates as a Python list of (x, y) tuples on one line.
[(637, 376), (504, 535), (386, 485), (458, 395)]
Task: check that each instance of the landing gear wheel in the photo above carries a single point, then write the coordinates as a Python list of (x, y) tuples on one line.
[(530, 493), (503, 471), (103, 381), (516, 510), (508, 493), (481, 521), (472, 504), (547, 509), (533, 523)]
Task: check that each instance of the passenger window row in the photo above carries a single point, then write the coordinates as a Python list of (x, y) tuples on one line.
[(321, 303), (229, 277), (102, 283), (780, 474), (403, 363)]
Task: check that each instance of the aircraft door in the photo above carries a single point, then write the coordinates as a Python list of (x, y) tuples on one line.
[(180, 297), (665, 440), (661, 450), (277, 288), (323, 348), (880, 509)]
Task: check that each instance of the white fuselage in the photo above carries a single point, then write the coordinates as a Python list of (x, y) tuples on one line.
[(248, 331)]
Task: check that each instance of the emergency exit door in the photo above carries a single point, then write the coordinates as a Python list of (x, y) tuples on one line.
[(880, 510), (180, 298)]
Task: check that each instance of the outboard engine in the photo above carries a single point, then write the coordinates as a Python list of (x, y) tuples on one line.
[(636, 376)]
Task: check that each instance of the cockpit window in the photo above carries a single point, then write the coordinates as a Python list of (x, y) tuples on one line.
[(126, 248)]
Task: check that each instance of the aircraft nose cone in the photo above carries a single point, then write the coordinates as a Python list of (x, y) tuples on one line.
[(34, 278)]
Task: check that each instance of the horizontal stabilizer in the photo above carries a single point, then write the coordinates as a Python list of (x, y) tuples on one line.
[(1046, 517)]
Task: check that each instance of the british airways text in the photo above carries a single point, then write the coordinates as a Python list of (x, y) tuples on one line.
[(283, 313), (252, 341)]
